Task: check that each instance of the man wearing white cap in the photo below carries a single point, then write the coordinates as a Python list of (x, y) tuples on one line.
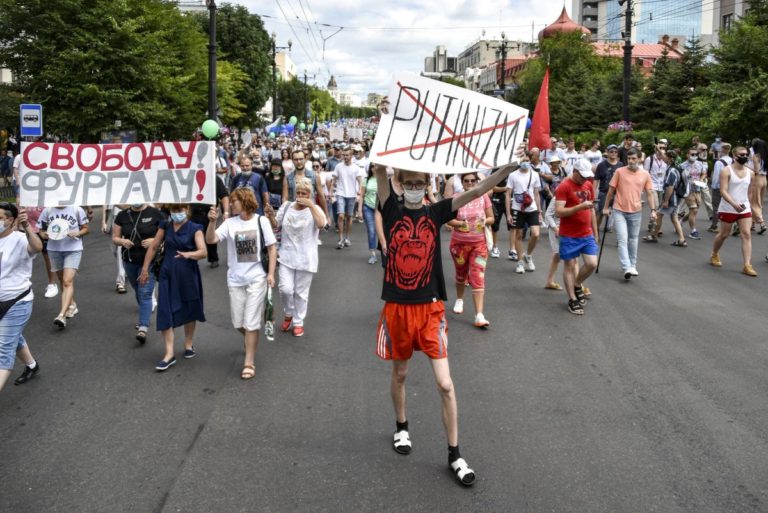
[(578, 232)]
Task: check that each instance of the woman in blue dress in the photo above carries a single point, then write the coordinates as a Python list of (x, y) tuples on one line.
[(180, 288)]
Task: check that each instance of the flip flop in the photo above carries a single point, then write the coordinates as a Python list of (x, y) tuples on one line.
[(650, 238), (680, 244), (553, 286)]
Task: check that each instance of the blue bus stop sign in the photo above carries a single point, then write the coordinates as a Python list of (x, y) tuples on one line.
[(31, 119)]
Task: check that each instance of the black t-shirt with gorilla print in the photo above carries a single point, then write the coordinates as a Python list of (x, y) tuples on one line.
[(414, 271)]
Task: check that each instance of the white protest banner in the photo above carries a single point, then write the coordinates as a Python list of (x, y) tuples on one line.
[(58, 174), (356, 133), (247, 139), (434, 127), (336, 133)]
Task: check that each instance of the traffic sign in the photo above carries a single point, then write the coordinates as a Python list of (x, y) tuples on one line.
[(31, 117)]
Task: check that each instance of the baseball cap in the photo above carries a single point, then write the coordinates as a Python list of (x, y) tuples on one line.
[(611, 147), (554, 158), (584, 167), (663, 141)]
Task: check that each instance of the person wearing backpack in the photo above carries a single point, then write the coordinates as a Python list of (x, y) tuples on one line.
[(671, 194)]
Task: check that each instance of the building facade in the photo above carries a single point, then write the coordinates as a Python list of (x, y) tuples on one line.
[(651, 19)]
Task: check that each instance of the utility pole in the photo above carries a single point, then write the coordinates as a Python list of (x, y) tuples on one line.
[(305, 97), (627, 36), (275, 48), (212, 103)]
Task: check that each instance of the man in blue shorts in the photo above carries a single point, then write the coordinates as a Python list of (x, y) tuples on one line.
[(578, 232)]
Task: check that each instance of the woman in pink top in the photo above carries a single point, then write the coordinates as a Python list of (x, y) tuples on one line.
[(469, 249)]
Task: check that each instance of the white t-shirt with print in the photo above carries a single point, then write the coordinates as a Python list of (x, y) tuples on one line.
[(658, 170), (75, 217), (244, 248), (519, 182), (298, 245), (346, 178), (594, 157), (15, 267), (569, 159)]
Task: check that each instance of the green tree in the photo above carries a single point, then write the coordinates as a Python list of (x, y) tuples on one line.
[(230, 78), (663, 102), (734, 102), (242, 40), (290, 98), (585, 89), (91, 62), (453, 81)]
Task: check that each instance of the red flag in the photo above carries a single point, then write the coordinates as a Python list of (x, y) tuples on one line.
[(539, 136)]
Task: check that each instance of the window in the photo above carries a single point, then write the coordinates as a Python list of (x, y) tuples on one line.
[(727, 21)]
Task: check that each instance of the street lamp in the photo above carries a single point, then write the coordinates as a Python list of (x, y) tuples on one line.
[(275, 48), (501, 51), (212, 103)]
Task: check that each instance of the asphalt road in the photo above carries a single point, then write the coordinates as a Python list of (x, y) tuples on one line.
[(655, 400)]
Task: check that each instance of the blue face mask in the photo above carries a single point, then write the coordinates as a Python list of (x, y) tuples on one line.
[(525, 165), (178, 217)]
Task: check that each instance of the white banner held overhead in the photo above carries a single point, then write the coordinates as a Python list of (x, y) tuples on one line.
[(356, 134), (434, 127), (58, 174), (336, 133)]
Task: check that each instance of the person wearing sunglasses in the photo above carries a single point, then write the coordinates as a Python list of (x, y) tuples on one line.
[(469, 249), (17, 251), (736, 187)]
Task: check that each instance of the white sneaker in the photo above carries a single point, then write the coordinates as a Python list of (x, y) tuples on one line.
[(319, 242), (347, 243), (520, 269), (495, 253), (458, 306), (481, 321), (634, 272), (72, 311), (52, 290), (529, 263)]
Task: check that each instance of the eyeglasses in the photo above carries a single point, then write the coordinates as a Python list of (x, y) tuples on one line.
[(414, 186), (470, 181)]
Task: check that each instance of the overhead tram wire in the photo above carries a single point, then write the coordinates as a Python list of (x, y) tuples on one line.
[(298, 39), (301, 22), (306, 18)]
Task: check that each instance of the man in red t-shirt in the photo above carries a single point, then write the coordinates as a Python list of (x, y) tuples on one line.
[(578, 232)]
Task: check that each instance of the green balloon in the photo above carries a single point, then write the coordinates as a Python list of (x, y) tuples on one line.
[(210, 129), (370, 133), (271, 135), (293, 120), (302, 126)]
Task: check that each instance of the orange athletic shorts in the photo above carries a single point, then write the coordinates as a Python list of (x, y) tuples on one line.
[(405, 328)]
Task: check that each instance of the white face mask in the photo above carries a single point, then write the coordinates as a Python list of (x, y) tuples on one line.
[(7, 224), (692, 159), (414, 197)]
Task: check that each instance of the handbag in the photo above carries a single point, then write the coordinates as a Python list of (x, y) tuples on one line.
[(488, 237), (7, 305), (263, 253), (527, 198), (157, 261)]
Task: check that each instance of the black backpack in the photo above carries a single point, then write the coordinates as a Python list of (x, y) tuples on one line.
[(681, 188)]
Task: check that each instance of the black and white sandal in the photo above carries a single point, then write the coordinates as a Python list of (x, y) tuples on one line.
[(402, 443), (464, 474), (574, 306), (580, 296)]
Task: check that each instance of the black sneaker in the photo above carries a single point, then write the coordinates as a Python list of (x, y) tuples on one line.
[(627, 275), (27, 375)]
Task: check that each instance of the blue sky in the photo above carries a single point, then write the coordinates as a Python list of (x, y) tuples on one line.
[(385, 36)]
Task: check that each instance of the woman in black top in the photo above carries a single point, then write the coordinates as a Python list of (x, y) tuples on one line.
[(134, 229), (274, 179)]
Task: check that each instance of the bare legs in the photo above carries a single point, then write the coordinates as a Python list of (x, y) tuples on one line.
[(444, 383)]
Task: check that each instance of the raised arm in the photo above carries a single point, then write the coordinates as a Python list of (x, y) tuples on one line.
[(483, 187)]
